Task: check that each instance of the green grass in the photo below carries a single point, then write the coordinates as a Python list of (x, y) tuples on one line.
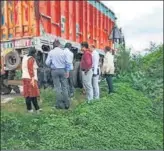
[(121, 121), (130, 119)]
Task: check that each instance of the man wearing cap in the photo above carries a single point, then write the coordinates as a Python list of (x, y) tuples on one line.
[(57, 60), (70, 56)]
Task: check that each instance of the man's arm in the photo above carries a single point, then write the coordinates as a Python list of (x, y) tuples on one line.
[(67, 62), (49, 60), (67, 65)]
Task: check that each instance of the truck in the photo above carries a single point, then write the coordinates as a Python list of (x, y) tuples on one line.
[(26, 24)]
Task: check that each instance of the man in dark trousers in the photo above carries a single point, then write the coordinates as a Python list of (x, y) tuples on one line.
[(87, 73), (57, 60)]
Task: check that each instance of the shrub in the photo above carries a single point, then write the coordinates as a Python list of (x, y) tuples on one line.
[(122, 60)]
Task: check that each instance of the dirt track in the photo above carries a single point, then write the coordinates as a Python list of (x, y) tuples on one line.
[(9, 97)]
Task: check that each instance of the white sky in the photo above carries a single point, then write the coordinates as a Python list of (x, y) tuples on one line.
[(141, 21)]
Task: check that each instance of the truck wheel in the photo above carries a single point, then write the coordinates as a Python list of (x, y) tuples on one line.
[(75, 73), (12, 60)]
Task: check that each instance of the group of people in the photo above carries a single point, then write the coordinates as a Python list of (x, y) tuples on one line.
[(61, 64)]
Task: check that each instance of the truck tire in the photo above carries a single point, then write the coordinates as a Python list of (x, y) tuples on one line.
[(12, 60), (75, 73)]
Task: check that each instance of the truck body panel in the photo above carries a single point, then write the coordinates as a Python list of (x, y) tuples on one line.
[(76, 21)]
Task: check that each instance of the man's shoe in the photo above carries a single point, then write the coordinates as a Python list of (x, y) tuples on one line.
[(30, 111)]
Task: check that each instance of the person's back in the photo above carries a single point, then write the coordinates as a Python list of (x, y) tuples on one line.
[(60, 66), (86, 61), (69, 56), (108, 65), (57, 56)]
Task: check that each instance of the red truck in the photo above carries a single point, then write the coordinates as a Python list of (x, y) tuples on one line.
[(39, 23)]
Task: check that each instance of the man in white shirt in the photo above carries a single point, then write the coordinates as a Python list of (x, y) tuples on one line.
[(95, 66), (70, 57), (108, 68)]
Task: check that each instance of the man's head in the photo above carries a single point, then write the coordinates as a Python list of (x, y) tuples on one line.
[(56, 43), (107, 49), (92, 48), (32, 52), (84, 46), (68, 45)]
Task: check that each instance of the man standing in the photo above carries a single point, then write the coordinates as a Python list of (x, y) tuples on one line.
[(86, 67), (108, 68), (70, 56), (95, 66), (59, 64)]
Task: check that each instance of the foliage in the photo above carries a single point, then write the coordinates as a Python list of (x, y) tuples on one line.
[(130, 119), (152, 46), (146, 75), (18, 75), (120, 121), (122, 58)]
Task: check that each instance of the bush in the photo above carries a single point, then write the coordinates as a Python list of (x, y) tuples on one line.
[(146, 75), (122, 60)]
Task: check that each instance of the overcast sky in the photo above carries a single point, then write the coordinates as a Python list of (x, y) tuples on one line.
[(141, 21)]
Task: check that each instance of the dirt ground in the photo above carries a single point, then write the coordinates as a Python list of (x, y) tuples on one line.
[(10, 97)]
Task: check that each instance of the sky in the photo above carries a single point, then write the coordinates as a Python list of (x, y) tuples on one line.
[(141, 22)]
